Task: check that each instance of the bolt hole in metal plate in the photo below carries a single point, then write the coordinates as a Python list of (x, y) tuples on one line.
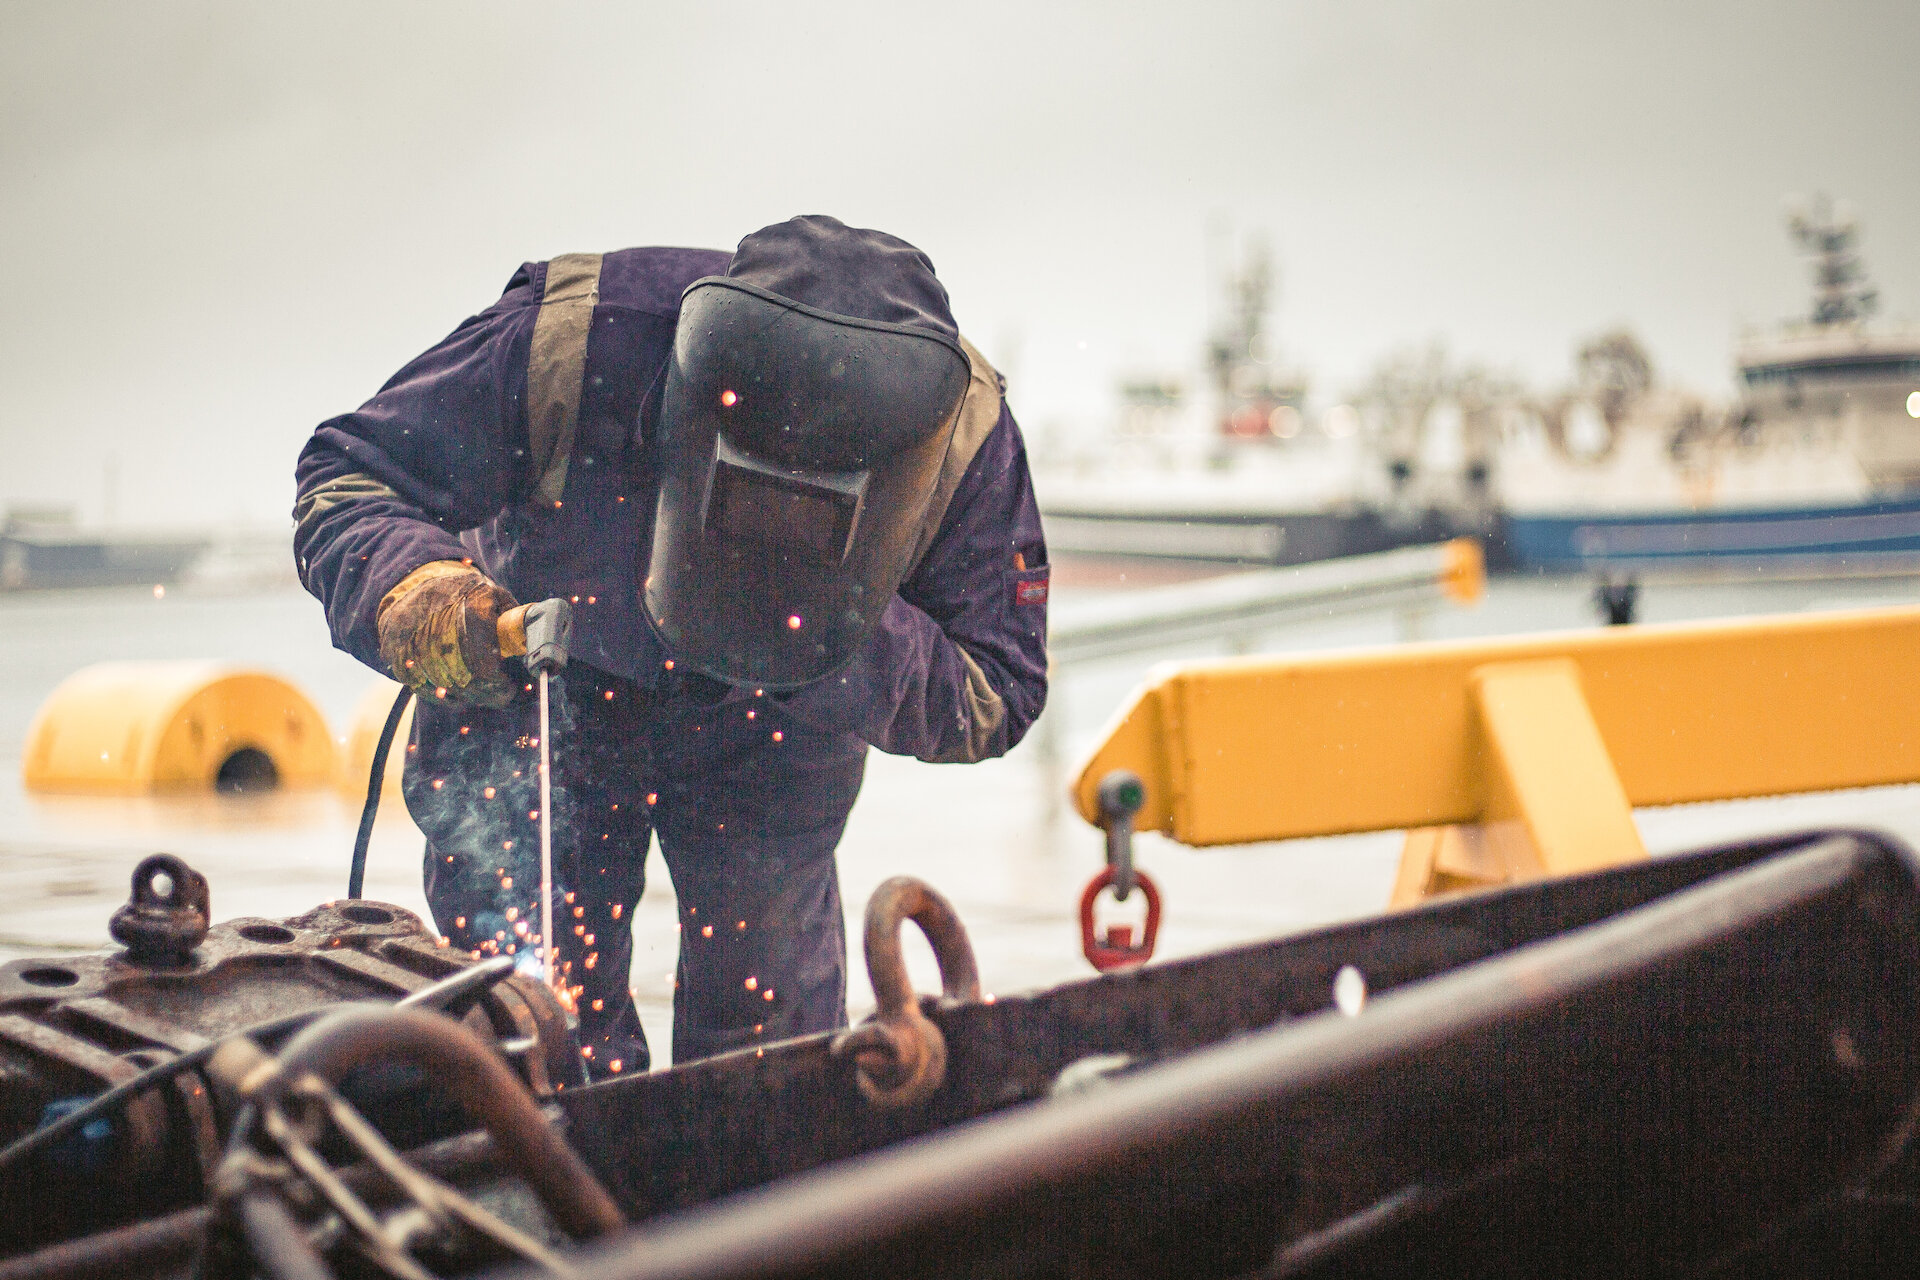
[(268, 933), (367, 915), (50, 976)]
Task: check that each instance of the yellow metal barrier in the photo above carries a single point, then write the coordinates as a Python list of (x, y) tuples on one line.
[(1528, 754), (135, 727), (356, 749)]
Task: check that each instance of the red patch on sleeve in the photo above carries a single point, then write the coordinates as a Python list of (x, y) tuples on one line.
[(1034, 592)]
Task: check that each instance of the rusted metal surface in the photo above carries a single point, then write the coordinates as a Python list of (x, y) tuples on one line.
[(1654, 1094), (284, 1209), (900, 1057), (71, 1028), (472, 1074), (1645, 1069), (680, 1138), (159, 1248), (164, 1248)]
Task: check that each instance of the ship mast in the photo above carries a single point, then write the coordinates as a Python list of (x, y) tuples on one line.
[(1256, 400), (1841, 292), (1240, 339)]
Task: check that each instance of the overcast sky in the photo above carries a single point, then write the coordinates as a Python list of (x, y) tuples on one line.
[(221, 223)]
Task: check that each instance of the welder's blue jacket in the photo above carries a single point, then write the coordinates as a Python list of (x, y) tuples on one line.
[(526, 442)]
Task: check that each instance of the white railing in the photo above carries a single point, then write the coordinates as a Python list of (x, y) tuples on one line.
[(1234, 609), (1235, 606)]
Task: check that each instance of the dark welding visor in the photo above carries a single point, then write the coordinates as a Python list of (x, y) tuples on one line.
[(799, 451)]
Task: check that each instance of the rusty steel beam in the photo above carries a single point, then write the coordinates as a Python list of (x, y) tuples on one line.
[(1731, 1025), (1645, 1093)]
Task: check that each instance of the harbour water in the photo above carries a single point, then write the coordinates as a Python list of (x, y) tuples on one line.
[(994, 837)]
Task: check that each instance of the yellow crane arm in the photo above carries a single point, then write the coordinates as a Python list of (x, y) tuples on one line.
[(1532, 749)]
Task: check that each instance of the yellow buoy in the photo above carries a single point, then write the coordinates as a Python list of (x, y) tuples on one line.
[(356, 754), (136, 727)]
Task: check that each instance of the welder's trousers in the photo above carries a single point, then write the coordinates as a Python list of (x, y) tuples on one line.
[(748, 807)]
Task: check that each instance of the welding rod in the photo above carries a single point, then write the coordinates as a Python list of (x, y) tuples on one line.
[(542, 632)]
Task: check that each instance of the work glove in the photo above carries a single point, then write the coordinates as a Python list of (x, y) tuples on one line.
[(439, 633)]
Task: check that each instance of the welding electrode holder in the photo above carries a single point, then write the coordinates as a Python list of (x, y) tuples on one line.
[(542, 633)]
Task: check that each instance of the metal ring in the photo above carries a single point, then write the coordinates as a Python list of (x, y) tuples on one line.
[(1111, 949), (900, 1058)]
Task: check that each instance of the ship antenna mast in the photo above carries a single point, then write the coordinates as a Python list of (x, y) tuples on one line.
[(1841, 291), (1241, 338)]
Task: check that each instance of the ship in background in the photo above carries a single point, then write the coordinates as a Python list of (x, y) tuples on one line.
[(1242, 472), (47, 548), (1814, 468)]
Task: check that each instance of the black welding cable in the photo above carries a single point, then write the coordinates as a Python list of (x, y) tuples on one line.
[(451, 995), (357, 874)]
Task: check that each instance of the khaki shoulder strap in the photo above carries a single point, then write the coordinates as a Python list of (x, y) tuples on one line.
[(979, 413), (557, 367)]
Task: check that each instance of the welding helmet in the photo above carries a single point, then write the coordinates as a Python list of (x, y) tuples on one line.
[(805, 415)]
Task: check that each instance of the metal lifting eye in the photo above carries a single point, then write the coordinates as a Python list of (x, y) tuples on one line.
[(900, 1057)]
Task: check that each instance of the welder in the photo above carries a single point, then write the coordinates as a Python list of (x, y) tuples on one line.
[(793, 516)]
